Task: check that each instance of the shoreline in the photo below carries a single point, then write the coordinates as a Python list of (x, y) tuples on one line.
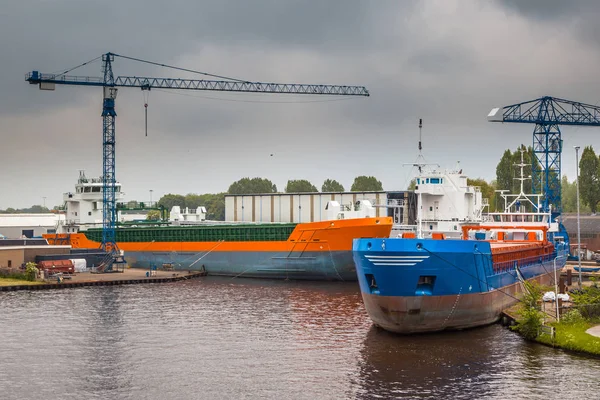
[(129, 276)]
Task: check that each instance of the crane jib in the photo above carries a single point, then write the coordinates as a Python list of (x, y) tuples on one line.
[(36, 77), (49, 82)]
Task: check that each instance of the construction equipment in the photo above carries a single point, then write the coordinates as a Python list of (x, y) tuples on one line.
[(110, 84), (547, 113)]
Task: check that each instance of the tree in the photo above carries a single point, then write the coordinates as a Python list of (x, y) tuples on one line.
[(250, 186), (589, 179), (193, 200), (153, 215), (170, 200), (366, 184), (215, 206), (504, 171), (331, 185), (412, 185), (488, 191), (300, 186)]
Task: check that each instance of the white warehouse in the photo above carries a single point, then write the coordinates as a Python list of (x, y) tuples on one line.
[(311, 207)]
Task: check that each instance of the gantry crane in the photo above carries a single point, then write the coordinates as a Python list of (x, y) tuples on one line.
[(110, 84), (547, 113)]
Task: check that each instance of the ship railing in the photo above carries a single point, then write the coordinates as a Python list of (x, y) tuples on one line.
[(511, 265)]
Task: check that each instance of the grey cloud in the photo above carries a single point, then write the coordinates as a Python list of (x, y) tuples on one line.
[(550, 10), (448, 62)]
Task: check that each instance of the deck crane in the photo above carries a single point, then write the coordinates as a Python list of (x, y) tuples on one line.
[(110, 83), (547, 113)]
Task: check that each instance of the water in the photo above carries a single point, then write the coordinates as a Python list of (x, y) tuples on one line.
[(220, 338)]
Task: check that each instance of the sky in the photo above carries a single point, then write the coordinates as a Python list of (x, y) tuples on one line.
[(448, 62)]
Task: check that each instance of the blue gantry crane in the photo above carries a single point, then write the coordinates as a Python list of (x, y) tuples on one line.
[(547, 113), (110, 83)]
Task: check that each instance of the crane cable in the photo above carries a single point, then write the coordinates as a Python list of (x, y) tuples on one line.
[(182, 69), (80, 65)]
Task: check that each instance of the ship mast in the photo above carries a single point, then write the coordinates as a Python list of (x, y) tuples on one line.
[(420, 166), (522, 195)]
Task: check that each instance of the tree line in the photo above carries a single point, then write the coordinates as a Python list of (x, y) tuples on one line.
[(506, 172), (215, 203)]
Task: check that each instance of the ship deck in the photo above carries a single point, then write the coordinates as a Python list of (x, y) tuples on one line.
[(510, 246)]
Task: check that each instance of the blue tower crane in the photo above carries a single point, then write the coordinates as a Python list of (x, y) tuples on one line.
[(110, 84), (547, 113)]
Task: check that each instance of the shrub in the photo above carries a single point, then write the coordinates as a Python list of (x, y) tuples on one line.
[(572, 317), (529, 323), (31, 271)]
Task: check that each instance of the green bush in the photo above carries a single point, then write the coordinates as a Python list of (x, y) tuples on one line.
[(572, 317), (530, 316), (529, 323), (31, 271)]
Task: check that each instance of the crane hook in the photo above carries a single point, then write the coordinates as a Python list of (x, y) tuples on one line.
[(146, 95)]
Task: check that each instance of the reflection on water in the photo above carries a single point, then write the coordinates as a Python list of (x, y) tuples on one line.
[(237, 338)]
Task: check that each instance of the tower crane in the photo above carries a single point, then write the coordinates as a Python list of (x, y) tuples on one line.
[(110, 85), (547, 113)]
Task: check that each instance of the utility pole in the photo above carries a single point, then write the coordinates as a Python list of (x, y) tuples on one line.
[(150, 198), (578, 224)]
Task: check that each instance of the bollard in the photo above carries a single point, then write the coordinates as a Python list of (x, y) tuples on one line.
[(569, 277)]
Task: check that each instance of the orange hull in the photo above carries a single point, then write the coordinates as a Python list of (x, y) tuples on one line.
[(313, 236), (313, 251)]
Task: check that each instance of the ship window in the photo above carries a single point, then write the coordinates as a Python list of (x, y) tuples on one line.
[(89, 213), (430, 227), (435, 180), (418, 181), (430, 208), (427, 180), (96, 189)]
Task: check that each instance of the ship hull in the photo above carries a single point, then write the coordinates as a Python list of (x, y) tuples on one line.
[(330, 266), (313, 251), (466, 291)]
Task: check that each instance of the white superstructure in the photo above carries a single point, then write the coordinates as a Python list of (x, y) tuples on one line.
[(446, 201), (83, 208)]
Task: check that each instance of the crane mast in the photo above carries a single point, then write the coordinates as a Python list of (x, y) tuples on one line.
[(110, 85), (547, 113)]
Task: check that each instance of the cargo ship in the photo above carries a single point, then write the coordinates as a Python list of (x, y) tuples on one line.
[(305, 251), (421, 284)]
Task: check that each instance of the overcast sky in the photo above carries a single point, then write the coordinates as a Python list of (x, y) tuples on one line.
[(448, 62)]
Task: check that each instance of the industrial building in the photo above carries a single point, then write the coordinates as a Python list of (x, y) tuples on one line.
[(15, 253), (15, 226), (589, 230), (311, 207)]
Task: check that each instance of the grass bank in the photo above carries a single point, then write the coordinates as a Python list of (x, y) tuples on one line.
[(16, 282), (572, 336)]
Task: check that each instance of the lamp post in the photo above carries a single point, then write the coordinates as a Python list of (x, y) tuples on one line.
[(556, 289), (150, 198), (578, 224)]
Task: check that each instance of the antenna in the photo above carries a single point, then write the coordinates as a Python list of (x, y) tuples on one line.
[(420, 126)]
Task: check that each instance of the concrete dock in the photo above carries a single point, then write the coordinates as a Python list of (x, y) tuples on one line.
[(129, 276)]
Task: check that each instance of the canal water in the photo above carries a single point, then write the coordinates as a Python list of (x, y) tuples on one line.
[(221, 338)]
